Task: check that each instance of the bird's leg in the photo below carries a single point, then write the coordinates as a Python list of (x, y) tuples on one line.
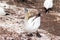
[(30, 34), (6, 14), (38, 35)]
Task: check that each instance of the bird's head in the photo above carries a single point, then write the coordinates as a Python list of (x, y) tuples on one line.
[(27, 13)]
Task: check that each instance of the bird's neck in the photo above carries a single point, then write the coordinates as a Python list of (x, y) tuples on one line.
[(26, 16)]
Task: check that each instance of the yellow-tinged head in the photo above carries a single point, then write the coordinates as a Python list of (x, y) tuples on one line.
[(27, 14)]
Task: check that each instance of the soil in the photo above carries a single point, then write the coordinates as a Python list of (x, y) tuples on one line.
[(47, 20)]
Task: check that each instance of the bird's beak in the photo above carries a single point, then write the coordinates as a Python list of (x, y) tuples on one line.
[(27, 15)]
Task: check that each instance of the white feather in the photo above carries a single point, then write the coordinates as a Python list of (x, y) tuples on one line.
[(32, 24), (2, 11), (4, 5), (48, 4), (31, 20)]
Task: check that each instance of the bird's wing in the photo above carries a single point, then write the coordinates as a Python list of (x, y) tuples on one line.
[(31, 20), (36, 22), (48, 4)]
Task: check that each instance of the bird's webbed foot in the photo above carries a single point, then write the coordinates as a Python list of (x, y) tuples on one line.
[(38, 35), (30, 34)]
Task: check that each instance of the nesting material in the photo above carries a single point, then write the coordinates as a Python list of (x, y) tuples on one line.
[(14, 23)]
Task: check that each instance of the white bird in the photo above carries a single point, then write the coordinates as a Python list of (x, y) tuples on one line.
[(32, 24), (2, 11), (4, 5), (48, 4)]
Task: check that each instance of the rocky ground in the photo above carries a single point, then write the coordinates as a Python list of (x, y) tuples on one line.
[(11, 26)]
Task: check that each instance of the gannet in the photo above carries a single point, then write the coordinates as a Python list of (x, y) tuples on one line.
[(48, 4), (32, 24)]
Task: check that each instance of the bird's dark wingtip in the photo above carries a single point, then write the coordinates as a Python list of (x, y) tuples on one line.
[(39, 14), (45, 10)]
